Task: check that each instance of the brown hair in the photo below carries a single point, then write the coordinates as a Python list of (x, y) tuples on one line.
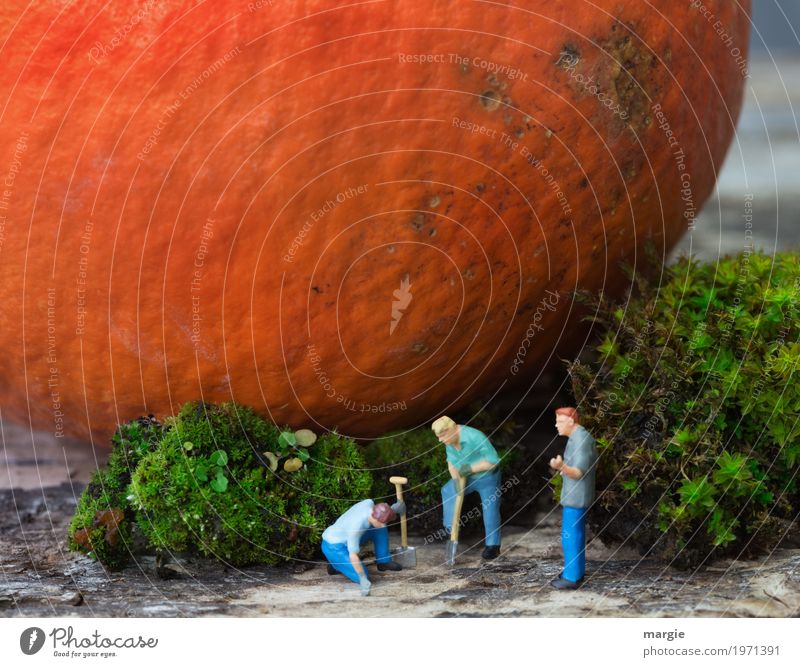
[(572, 413)]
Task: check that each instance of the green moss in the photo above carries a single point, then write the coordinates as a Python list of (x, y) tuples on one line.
[(255, 515), (694, 399), (111, 542)]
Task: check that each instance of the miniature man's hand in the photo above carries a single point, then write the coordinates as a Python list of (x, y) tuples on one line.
[(399, 507), (465, 470), (557, 463), (364, 583)]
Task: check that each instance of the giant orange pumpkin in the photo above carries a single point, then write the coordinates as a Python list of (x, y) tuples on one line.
[(353, 215)]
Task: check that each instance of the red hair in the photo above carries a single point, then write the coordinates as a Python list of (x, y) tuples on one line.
[(383, 513), (572, 413)]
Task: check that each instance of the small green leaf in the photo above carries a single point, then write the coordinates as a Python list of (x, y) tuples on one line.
[(607, 347), (697, 494), (201, 472), (219, 484), (287, 439), (303, 455), (188, 446), (722, 528), (219, 458), (732, 468)]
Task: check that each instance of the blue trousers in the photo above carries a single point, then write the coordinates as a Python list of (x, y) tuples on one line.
[(339, 556), (573, 542), (488, 487)]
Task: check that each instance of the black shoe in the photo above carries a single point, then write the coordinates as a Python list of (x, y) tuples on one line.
[(565, 584), (490, 553), (332, 570), (391, 565)]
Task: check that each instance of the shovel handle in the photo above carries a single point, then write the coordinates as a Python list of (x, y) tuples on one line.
[(457, 510), (398, 487)]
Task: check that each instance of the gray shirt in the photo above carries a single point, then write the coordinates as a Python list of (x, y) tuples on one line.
[(580, 453)]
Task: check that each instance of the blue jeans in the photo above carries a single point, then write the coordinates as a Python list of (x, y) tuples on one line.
[(488, 486), (573, 542), (339, 556)]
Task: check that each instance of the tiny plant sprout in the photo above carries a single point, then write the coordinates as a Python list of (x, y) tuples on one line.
[(292, 465), (219, 483), (219, 458), (273, 460), (287, 439), (188, 446), (305, 437)]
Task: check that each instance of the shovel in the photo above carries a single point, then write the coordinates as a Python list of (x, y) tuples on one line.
[(452, 545), (404, 554)]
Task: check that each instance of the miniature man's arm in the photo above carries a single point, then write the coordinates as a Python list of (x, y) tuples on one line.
[(484, 464), (356, 561), (558, 464), (481, 466)]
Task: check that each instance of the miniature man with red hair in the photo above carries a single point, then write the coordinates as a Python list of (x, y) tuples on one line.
[(363, 522), (577, 494)]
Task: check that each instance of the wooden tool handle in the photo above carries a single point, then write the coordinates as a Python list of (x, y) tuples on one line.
[(398, 487), (457, 510)]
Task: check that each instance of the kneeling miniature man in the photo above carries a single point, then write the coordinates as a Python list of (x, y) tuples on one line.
[(577, 494), (363, 522)]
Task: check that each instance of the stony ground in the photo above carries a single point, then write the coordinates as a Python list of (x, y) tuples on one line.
[(40, 577)]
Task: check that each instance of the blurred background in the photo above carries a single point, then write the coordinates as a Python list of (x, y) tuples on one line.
[(764, 158), (762, 171)]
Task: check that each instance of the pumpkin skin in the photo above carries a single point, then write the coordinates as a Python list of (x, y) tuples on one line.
[(225, 201)]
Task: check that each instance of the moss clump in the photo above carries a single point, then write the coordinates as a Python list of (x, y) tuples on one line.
[(694, 400), (209, 488), (418, 455), (204, 490), (104, 523)]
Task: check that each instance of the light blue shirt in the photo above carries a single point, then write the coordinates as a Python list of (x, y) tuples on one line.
[(349, 527)]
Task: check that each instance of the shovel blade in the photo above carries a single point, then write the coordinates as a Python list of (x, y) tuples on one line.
[(405, 556), (450, 553)]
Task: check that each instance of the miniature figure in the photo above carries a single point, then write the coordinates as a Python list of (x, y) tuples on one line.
[(471, 456), (364, 521), (577, 469)]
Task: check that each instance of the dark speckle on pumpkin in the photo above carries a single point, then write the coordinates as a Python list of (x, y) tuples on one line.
[(490, 100)]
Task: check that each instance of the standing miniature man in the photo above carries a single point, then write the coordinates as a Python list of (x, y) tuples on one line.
[(471, 455), (577, 494), (364, 521)]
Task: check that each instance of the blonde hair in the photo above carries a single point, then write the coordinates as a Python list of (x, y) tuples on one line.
[(443, 424)]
